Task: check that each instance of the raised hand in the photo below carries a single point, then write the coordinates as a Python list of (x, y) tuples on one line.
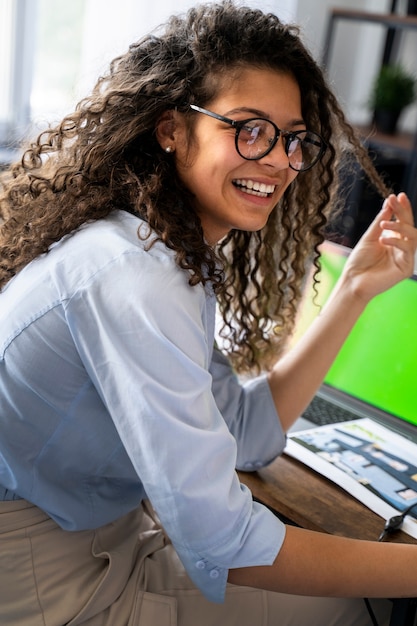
[(385, 253)]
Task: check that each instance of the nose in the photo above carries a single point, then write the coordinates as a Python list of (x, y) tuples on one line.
[(277, 157)]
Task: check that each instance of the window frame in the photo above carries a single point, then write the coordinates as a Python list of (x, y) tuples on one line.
[(20, 53)]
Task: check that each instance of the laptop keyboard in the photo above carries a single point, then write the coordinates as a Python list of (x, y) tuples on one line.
[(322, 412)]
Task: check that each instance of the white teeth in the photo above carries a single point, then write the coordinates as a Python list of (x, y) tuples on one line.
[(255, 188)]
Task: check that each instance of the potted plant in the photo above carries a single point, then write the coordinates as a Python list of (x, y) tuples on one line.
[(394, 89)]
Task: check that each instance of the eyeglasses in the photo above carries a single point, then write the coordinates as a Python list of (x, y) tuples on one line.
[(256, 137)]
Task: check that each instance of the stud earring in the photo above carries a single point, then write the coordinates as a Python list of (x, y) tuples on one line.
[(169, 149)]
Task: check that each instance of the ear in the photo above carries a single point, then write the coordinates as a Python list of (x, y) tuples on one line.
[(165, 131)]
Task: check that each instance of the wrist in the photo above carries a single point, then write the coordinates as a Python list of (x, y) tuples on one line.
[(350, 295)]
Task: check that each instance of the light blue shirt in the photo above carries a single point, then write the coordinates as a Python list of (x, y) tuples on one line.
[(110, 392)]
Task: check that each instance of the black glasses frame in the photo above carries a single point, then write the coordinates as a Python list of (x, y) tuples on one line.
[(288, 136)]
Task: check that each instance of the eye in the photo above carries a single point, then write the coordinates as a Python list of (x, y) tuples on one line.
[(254, 131), (250, 132), (293, 144)]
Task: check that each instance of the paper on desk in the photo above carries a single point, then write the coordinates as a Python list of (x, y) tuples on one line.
[(372, 463)]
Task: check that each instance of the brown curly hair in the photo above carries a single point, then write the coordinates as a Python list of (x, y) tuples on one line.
[(105, 156)]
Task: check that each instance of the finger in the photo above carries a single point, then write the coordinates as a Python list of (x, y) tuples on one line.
[(401, 207), (388, 238), (401, 229), (403, 238)]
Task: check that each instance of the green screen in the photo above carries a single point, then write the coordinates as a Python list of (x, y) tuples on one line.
[(378, 362)]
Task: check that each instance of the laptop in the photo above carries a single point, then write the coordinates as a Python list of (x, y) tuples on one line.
[(375, 372)]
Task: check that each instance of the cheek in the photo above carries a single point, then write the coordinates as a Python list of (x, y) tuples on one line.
[(292, 175), (211, 166)]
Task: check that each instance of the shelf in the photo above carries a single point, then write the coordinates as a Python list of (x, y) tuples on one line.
[(389, 20), (386, 19), (401, 143)]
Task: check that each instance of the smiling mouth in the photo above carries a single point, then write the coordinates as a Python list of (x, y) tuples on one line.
[(254, 188)]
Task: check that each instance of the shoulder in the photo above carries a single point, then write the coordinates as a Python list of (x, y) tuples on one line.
[(109, 250), (106, 263), (106, 239)]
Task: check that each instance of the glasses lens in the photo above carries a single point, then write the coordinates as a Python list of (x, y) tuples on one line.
[(255, 138), (304, 149)]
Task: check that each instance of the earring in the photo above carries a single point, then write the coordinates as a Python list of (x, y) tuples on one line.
[(169, 149)]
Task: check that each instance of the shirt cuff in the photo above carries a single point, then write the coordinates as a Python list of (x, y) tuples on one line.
[(262, 541)]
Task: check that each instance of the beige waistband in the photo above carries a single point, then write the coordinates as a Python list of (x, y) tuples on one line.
[(17, 514)]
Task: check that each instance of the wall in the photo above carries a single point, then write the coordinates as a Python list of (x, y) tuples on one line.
[(124, 21)]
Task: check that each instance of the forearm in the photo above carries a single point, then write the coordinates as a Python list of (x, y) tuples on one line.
[(296, 377), (317, 564)]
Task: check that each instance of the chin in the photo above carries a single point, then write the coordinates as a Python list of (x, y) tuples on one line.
[(254, 227)]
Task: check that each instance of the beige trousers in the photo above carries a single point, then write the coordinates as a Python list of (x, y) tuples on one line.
[(127, 574)]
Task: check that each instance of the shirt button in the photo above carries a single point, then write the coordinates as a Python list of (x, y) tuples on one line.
[(214, 573), (257, 464), (200, 565)]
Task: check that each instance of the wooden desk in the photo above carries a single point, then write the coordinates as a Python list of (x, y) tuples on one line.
[(292, 489), (309, 500)]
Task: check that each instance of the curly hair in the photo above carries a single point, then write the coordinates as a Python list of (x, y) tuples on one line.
[(105, 156)]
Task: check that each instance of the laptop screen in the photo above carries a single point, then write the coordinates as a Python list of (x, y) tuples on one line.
[(378, 362)]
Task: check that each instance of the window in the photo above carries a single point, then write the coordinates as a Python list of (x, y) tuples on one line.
[(15, 53), (52, 51), (6, 19), (40, 46), (57, 57)]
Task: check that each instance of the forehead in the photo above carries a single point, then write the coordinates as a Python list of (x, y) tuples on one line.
[(274, 92)]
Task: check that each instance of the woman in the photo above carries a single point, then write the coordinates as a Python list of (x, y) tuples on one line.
[(200, 171)]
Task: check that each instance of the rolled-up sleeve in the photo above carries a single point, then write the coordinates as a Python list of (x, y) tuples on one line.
[(255, 541), (250, 414)]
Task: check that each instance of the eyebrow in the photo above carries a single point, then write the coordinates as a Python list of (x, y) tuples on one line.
[(259, 113)]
